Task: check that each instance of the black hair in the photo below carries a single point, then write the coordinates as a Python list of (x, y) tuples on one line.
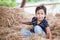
[(41, 7)]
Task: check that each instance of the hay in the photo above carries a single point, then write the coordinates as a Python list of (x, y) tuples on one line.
[(10, 26), (9, 21), (54, 24)]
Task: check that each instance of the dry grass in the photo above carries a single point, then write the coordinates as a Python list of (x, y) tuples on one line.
[(10, 26)]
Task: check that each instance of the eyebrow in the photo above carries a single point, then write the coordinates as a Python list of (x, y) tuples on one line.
[(40, 13)]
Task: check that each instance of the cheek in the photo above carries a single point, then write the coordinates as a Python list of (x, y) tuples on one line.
[(37, 16), (42, 16)]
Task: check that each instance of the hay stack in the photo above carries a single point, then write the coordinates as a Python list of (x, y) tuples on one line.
[(58, 15), (54, 24), (10, 26), (9, 21)]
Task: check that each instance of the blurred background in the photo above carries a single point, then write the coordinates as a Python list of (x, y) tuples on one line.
[(30, 5)]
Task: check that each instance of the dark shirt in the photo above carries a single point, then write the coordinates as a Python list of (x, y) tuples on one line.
[(43, 24)]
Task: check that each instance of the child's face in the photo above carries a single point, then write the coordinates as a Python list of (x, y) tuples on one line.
[(40, 14)]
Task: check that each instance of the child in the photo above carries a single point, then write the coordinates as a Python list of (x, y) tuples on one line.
[(40, 24)]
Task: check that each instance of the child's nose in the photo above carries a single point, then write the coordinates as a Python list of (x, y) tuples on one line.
[(40, 15)]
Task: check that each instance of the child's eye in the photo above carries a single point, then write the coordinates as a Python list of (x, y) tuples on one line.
[(41, 13), (38, 13)]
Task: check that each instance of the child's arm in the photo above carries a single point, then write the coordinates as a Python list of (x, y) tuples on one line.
[(27, 23), (49, 35)]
